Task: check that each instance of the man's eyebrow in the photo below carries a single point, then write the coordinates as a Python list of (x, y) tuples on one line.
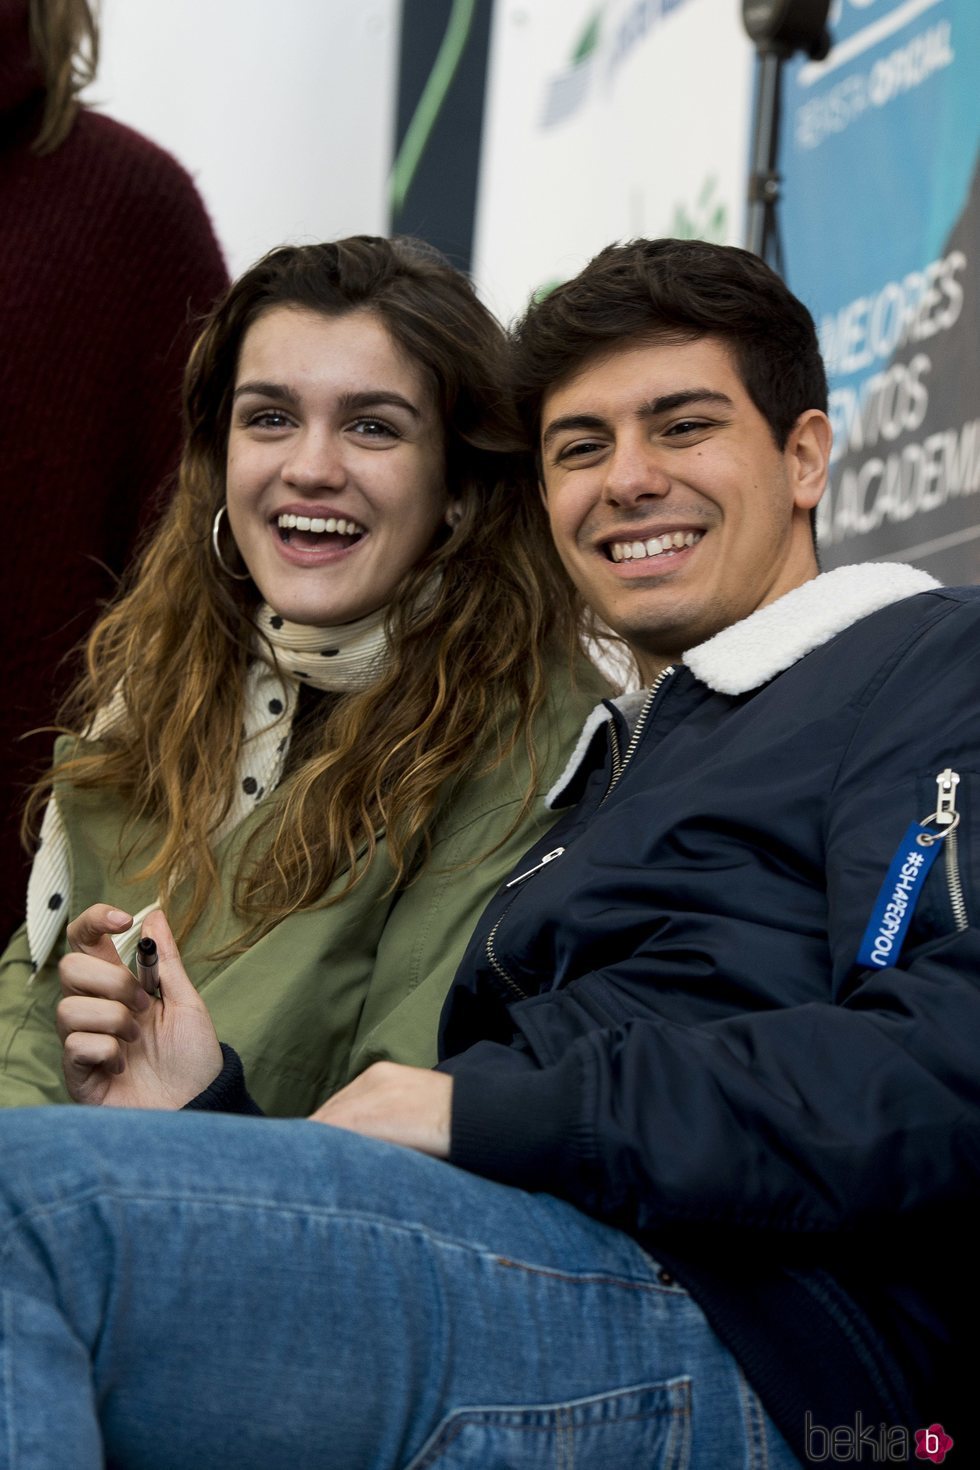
[(591, 423), (668, 402)]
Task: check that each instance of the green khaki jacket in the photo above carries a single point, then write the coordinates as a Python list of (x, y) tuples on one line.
[(329, 990)]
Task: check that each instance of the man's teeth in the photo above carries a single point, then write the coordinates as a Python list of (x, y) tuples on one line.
[(636, 550), (319, 525)]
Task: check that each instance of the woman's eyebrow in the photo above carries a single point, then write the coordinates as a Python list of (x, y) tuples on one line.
[(373, 397), (368, 398), (267, 390)]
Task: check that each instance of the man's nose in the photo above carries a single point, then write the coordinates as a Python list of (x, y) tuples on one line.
[(634, 472)]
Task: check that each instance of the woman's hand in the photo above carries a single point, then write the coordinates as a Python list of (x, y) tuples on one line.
[(122, 1047)]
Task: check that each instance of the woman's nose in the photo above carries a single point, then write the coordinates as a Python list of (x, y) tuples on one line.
[(315, 460)]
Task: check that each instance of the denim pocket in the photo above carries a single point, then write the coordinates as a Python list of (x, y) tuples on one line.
[(646, 1426)]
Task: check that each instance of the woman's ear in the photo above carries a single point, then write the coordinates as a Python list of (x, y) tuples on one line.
[(454, 514)]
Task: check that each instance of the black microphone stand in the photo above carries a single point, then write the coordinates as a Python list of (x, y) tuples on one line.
[(778, 28), (765, 182)]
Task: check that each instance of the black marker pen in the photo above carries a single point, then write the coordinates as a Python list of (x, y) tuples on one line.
[(148, 966)]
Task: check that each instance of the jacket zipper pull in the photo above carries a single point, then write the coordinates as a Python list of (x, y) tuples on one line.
[(946, 814), (548, 858), (895, 905)]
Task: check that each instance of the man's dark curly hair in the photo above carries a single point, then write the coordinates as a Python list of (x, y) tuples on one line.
[(675, 291)]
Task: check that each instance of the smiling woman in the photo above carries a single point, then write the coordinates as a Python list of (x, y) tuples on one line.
[(316, 723), (336, 480)]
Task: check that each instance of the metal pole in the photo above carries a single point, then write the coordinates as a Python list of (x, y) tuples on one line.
[(764, 179)]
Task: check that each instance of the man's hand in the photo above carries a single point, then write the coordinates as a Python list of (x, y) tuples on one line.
[(122, 1047), (407, 1105)]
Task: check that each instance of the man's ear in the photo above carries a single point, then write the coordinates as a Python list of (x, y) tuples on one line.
[(808, 457)]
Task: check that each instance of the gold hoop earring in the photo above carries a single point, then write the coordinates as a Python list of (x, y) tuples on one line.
[(215, 543)]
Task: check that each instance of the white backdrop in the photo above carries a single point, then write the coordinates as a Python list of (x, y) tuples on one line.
[(283, 112), (605, 119), (608, 119)]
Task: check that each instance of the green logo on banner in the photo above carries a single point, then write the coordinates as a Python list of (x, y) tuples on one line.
[(589, 40), (568, 90), (706, 219)]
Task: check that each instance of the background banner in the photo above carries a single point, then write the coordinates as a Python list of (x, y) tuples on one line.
[(439, 122), (607, 119), (881, 229)]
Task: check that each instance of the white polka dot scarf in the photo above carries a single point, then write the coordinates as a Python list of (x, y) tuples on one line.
[(339, 660)]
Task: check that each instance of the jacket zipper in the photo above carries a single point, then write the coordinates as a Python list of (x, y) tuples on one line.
[(947, 816), (619, 764), (497, 966)]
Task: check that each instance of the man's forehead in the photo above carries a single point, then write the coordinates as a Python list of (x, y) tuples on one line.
[(634, 373)]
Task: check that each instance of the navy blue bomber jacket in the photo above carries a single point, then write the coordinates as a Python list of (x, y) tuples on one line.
[(661, 1018), (665, 1022)]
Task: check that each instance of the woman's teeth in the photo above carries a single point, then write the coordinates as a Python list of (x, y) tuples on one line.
[(319, 525), (305, 532), (656, 546)]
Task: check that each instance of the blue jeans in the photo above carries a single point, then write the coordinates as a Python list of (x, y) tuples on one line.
[(182, 1290)]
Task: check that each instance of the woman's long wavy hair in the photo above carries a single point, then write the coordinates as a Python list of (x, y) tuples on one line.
[(467, 669)]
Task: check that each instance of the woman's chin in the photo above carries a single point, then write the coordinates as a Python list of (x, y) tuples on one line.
[(326, 614)]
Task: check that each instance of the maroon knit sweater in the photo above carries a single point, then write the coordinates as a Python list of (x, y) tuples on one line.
[(106, 259)]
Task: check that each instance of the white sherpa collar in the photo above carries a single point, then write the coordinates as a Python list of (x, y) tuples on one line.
[(755, 650), (628, 704), (762, 645)]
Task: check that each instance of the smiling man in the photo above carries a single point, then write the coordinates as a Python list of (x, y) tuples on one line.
[(675, 509), (709, 1096)]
